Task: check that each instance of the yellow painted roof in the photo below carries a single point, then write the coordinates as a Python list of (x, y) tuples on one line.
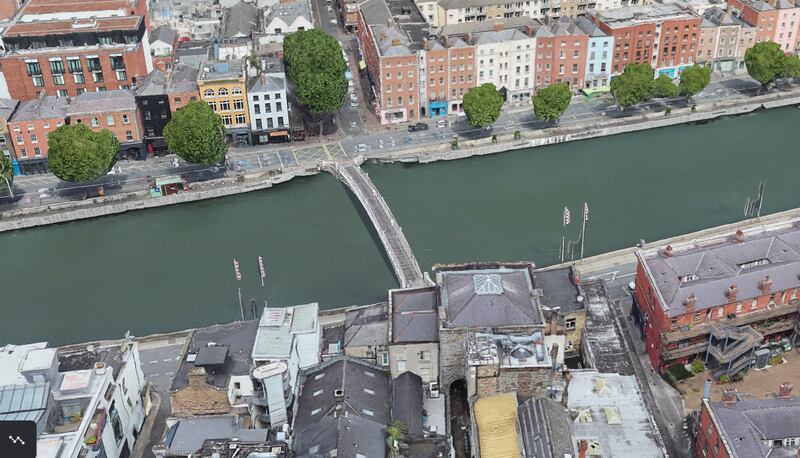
[(496, 417)]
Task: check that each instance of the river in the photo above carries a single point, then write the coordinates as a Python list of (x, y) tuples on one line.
[(171, 268)]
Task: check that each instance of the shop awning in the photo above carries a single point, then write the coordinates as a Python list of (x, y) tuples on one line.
[(279, 133)]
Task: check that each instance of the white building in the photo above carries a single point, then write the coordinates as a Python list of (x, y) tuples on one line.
[(283, 18), (86, 403), (163, 41), (269, 108), (505, 58)]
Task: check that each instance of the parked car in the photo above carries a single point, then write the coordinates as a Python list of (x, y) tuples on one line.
[(442, 123), (353, 103), (333, 21), (361, 147), (417, 127), (353, 98), (330, 8)]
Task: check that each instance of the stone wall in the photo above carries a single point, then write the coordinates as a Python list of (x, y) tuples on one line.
[(527, 382)]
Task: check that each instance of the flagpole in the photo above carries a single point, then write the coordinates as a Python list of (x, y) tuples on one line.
[(583, 225), (241, 306), (238, 276)]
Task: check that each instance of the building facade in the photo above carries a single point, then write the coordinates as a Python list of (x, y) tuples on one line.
[(226, 94), (269, 107), (115, 111), (600, 48), (28, 128)]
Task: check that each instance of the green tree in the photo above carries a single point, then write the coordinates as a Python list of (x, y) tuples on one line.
[(395, 437), (195, 134), (664, 87), (7, 172), (76, 153), (791, 67), (694, 79), (634, 85), (482, 105), (765, 62), (316, 67), (551, 102)]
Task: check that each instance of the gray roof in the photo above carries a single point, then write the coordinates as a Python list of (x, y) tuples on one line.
[(350, 423), (708, 271), (414, 316), (464, 28), (240, 20), (718, 16), (544, 427), (761, 6), (366, 326), (490, 297), (7, 107), (153, 84), (602, 342), (288, 12), (407, 395), (500, 36), (589, 27), (450, 4), (46, 107), (237, 338), (558, 289), (278, 326), (265, 83), (641, 14), (565, 26), (397, 25), (100, 102), (164, 34), (187, 435), (211, 356), (183, 78), (746, 424)]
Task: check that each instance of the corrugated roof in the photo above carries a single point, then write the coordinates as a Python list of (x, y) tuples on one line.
[(496, 417)]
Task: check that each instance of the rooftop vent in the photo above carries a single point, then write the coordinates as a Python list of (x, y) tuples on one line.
[(488, 284), (339, 393)]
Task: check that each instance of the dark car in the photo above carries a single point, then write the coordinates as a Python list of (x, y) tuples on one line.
[(418, 127)]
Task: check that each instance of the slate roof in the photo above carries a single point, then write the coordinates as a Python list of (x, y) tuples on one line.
[(747, 423), (718, 16), (100, 102), (490, 297), (46, 107), (182, 79), (464, 28), (366, 326), (7, 107), (266, 84), (708, 271), (545, 429), (407, 395), (288, 12), (558, 290), (187, 435), (240, 20), (589, 27), (152, 84), (500, 36), (164, 34), (414, 316), (351, 423)]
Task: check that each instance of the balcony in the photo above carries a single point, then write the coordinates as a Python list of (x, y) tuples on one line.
[(744, 340), (93, 434), (675, 353)]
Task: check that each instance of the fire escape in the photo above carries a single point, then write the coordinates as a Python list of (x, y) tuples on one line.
[(730, 348)]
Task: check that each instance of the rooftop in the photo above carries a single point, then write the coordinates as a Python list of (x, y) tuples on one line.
[(277, 328), (535, 350), (609, 413), (234, 448), (366, 326), (74, 6), (240, 20), (288, 12), (488, 296), (397, 25), (100, 102), (7, 107), (748, 424), (602, 344), (634, 15), (545, 429), (187, 436), (559, 290), (266, 83), (414, 316), (498, 430), (463, 28), (70, 26), (707, 268), (45, 107), (164, 34), (407, 395)]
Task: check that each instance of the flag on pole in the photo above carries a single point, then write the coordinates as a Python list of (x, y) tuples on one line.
[(261, 269), (585, 211), (566, 216), (236, 270)]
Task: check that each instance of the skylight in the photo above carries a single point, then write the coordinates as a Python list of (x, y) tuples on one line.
[(488, 284)]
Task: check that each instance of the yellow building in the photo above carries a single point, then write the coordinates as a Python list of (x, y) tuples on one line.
[(226, 94)]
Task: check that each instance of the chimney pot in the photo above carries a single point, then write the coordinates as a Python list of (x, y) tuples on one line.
[(785, 390), (739, 235), (690, 301), (668, 251), (729, 396), (732, 292), (765, 285)]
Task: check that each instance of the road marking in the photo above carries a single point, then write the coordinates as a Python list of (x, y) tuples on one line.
[(325, 147), (168, 360), (613, 275), (153, 362)]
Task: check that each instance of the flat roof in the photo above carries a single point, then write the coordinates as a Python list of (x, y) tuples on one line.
[(558, 289), (498, 434), (59, 6), (643, 14), (66, 26)]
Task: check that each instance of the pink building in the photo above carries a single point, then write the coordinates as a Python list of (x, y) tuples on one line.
[(787, 24)]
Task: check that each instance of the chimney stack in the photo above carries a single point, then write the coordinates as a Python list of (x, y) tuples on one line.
[(707, 389), (729, 396), (498, 27), (576, 275), (739, 235), (554, 356), (690, 302), (732, 292), (785, 390), (668, 251), (583, 446), (395, 42), (765, 285)]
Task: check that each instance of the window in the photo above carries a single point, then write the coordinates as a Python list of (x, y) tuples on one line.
[(177, 100), (278, 106), (256, 108), (101, 88), (94, 64), (259, 125), (401, 365), (125, 119), (226, 120), (23, 152), (319, 376), (369, 391), (317, 393), (368, 412), (38, 81), (110, 120), (74, 65), (121, 75), (208, 93), (95, 122), (238, 104), (79, 78), (97, 77), (280, 122), (20, 140), (213, 106), (237, 91), (224, 105), (128, 135), (369, 374), (720, 312), (569, 323), (62, 93), (738, 307), (270, 123), (33, 68), (222, 92), (753, 304), (424, 356), (316, 411), (34, 138), (37, 151), (240, 119), (105, 40)]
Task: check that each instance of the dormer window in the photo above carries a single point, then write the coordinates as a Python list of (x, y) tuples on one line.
[(756, 263), (688, 278)]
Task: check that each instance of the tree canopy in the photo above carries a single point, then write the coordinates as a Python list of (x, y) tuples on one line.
[(7, 173), (482, 105), (76, 153), (664, 87), (316, 67), (765, 62), (552, 101), (791, 67), (195, 134), (634, 85), (694, 79)]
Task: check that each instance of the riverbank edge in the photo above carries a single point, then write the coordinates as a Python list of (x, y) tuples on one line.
[(104, 206)]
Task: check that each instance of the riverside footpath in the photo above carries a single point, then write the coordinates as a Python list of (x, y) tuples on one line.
[(308, 162)]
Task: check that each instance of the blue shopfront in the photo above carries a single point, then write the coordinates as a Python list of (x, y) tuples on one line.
[(437, 108)]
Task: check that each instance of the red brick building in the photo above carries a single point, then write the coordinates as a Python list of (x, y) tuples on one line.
[(113, 110), (561, 50), (65, 49), (718, 299), (759, 14), (750, 427), (28, 128), (662, 35)]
